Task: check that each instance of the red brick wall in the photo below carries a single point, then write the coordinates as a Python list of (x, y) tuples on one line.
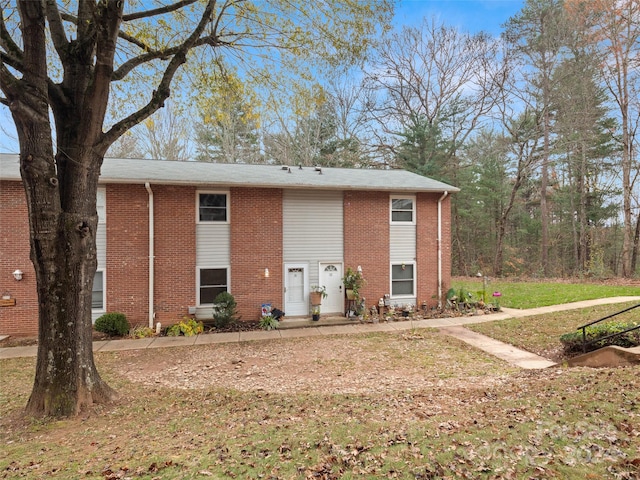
[(427, 246), (175, 252), (127, 268), (366, 240), (256, 244), (14, 255)]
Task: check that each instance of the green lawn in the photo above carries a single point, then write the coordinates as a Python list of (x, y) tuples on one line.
[(540, 334), (539, 294)]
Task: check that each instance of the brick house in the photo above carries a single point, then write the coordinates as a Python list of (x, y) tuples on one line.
[(172, 235)]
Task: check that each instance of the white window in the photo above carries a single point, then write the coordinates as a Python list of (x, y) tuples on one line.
[(403, 280), (212, 207), (97, 294), (211, 282), (101, 205), (403, 210)]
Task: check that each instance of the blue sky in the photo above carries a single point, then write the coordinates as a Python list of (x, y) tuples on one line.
[(468, 15)]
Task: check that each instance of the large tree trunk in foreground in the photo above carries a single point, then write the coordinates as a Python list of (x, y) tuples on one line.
[(63, 250), (61, 202)]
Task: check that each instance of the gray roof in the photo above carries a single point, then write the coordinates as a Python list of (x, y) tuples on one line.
[(120, 170)]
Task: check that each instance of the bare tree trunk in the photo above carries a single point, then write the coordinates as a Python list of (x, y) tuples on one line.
[(636, 240), (544, 182), (63, 250), (61, 202), (627, 240), (458, 244)]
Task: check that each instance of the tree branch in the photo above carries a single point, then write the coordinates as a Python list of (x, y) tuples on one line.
[(12, 62), (163, 91), (106, 26), (58, 35), (13, 51), (157, 11), (134, 62)]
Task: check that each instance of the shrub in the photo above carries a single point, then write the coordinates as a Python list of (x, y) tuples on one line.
[(224, 312), (572, 342), (268, 322), (141, 331), (188, 327), (460, 299), (113, 324)]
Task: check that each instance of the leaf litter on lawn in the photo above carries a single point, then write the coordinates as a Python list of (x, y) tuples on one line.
[(413, 405)]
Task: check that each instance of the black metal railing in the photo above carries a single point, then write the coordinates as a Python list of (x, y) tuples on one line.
[(585, 344)]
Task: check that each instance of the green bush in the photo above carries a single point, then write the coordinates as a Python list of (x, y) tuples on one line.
[(224, 311), (268, 322), (113, 324), (188, 327), (572, 342)]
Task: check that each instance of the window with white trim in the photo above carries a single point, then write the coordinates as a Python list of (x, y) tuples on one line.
[(213, 207), (403, 280), (403, 210), (211, 282), (97, 294)]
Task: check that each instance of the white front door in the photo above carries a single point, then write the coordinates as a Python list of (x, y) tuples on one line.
[(331, 277), (296, 289)]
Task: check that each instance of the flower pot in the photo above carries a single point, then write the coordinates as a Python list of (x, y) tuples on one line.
[(351, 295), (315, 317), (315, 298)]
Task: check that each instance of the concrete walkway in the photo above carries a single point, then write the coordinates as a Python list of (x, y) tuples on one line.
[(508, 353), (449, 326)]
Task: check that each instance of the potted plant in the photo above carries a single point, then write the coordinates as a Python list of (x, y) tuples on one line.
[(353, 281), (315, 313), (318, 292)]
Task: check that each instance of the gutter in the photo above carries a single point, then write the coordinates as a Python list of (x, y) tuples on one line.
[(152, 257), (440, 200)]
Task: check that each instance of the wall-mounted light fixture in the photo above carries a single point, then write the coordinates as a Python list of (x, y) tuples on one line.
[(17, 274), (266, 273), (359, 269)]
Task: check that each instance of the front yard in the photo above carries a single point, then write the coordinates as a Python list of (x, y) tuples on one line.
[(414, 405)]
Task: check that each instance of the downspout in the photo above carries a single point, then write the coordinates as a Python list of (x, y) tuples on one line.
[(440, 200), (151, 255)]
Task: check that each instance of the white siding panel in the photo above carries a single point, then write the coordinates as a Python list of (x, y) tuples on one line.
[(313, 228), (101, 246), (402, 248), (402, 240), (213, 244), (101, 232)]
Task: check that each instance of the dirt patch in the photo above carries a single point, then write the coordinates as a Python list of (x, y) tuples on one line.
[(343, 365)]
